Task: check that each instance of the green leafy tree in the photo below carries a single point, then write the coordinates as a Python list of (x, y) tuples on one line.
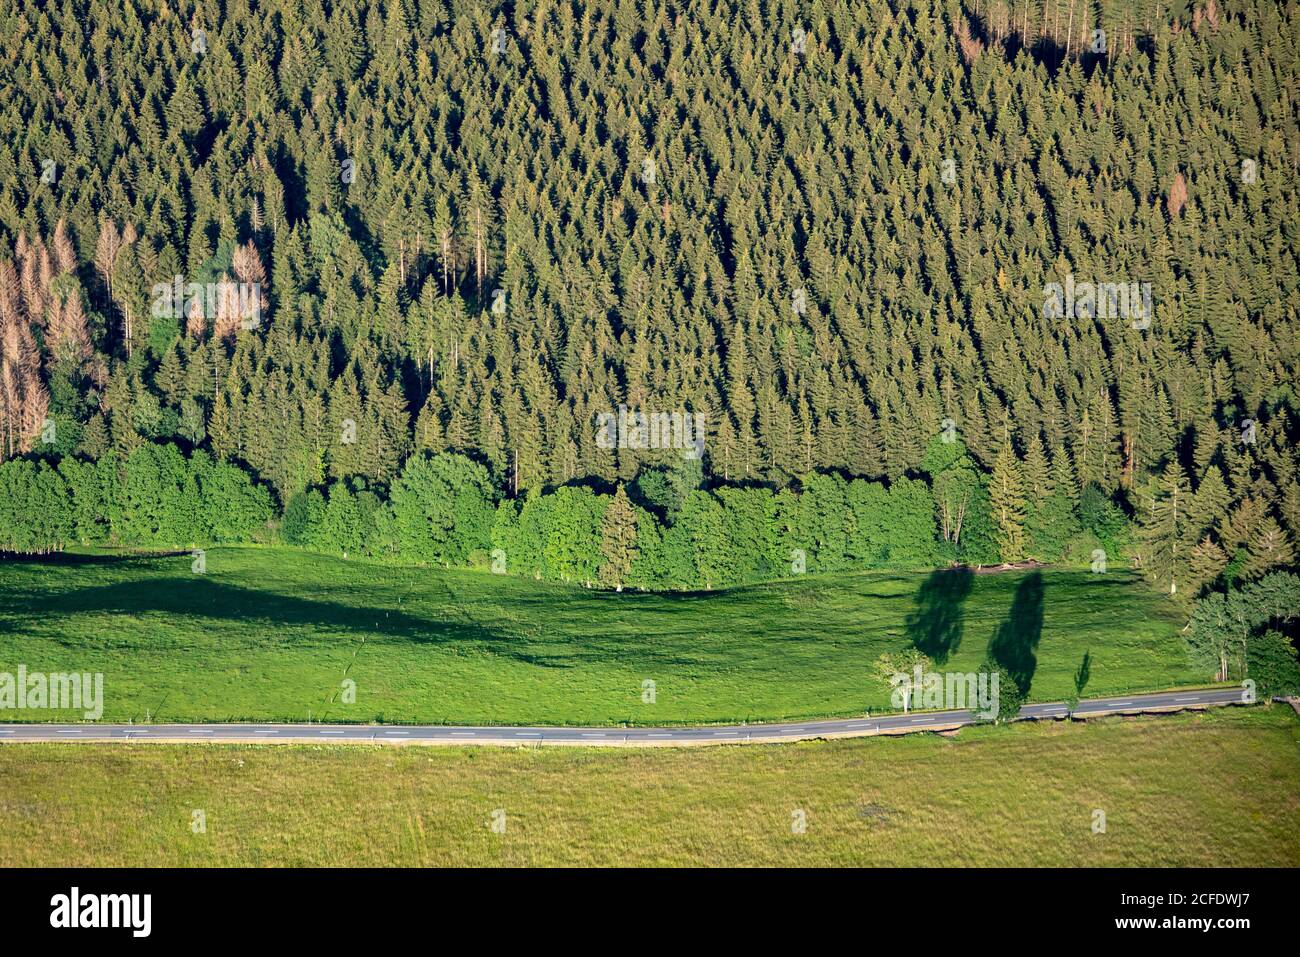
[(1273, 664), (302, 516), (897, 670), (442, 509), (1010, 697), (572, 547)]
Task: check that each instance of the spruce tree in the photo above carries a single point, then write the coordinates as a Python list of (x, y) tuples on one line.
[(618, 532), (1007, 504)]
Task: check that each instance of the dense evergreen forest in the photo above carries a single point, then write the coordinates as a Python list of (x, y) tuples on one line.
[(828, 229)]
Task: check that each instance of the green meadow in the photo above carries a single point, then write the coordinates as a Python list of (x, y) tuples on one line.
[(1215, 789), (279, 634)]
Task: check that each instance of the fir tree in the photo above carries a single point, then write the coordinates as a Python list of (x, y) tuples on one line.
[(618, 540), (1007, 503)]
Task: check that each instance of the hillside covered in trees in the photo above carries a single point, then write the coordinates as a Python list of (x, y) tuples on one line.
[(827, 229)]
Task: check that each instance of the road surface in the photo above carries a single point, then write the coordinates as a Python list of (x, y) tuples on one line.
[(637, 737)]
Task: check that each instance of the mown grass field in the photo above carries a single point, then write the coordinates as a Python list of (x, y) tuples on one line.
[(272, 634), (1217, 789)]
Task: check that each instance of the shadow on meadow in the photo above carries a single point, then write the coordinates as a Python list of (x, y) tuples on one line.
[(74, 559), (541, 625), (196, 596), (1015, 643), (32, 610), (935, 626)]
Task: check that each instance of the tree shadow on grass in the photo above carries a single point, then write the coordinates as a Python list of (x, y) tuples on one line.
[(935, 626), (1015, 643), (200, 597), (89, 558), (266, 614), (1084, 673)]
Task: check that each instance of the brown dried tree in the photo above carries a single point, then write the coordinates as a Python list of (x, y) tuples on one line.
[(1177, 196), (68, 335), (196, 323), (64, 252), (250, 271), (970, 45), (106, 251), (229, 315)]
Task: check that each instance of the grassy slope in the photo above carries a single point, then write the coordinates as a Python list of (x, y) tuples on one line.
[(1216, 789), (269, 634)]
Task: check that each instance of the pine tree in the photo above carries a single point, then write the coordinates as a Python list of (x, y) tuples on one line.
[(1164, 528), (95, 442), (1205, 562), (1036, 474), (618, 533), (1268, 547), (1007, 504), (1210, 502)]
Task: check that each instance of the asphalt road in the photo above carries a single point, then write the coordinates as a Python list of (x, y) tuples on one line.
[(636, 737)]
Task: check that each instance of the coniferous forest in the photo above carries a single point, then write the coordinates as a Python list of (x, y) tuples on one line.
[(375, 278)]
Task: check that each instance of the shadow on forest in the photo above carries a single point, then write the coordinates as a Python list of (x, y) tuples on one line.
[(935, 626), (1046, 51), (1015, 643)]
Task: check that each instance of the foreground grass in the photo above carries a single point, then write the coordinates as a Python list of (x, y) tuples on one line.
[(272, 634), (1217, 789)]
